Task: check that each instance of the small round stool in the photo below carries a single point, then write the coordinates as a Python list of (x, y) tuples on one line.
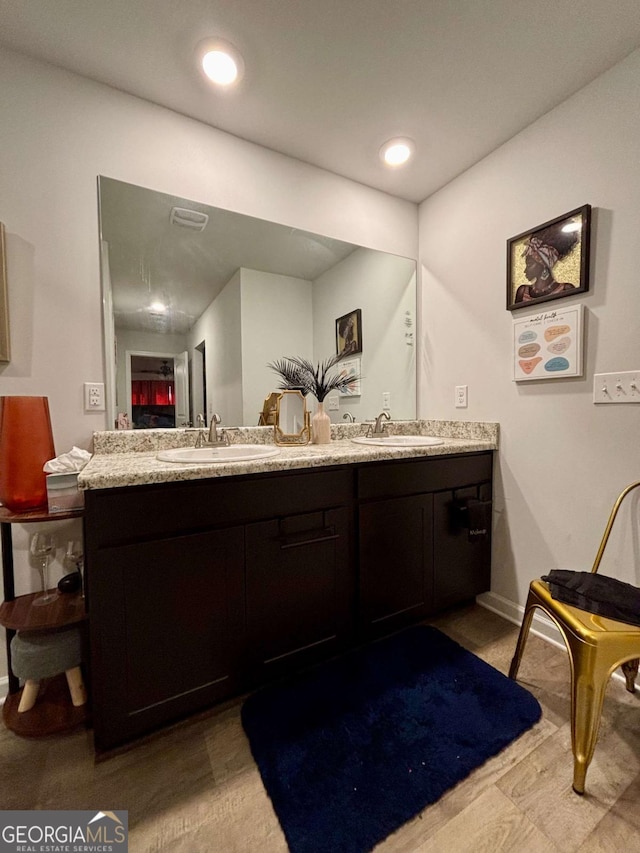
[(43, 654)]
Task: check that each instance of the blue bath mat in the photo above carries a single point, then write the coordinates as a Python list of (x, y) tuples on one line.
[(350, 751)]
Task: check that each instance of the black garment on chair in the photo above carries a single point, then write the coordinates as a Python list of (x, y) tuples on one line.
[(596, 594)]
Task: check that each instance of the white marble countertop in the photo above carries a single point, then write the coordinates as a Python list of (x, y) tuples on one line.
[(130, 458)]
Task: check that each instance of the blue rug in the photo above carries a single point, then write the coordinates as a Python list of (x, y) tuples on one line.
[(350, 751)]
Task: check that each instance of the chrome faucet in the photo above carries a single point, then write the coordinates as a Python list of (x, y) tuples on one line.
[(378, 428), (348, 417), (214, 438)]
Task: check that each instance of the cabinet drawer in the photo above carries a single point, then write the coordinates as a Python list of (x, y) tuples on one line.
[(415, 476), (118, 516)]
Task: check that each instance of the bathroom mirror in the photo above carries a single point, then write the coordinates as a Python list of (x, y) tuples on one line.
[(293, 426), (217, 296)]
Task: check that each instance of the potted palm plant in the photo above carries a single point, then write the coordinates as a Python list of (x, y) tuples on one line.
[(317, 379)]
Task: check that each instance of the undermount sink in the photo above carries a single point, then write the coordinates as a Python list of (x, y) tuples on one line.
[(399, 440), (224, 453)]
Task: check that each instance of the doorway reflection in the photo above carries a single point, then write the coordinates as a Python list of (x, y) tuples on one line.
[(154, 398), (152, 393)]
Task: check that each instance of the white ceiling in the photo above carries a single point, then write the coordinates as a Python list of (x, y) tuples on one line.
[(328, 81)]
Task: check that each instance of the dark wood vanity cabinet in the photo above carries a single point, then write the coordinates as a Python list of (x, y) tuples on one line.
[(197, 590)]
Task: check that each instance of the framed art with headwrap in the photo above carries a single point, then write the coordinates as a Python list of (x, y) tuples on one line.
[(549, 261)]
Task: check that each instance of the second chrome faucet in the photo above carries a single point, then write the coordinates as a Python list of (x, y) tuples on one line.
[(378, 427), (214, 437)]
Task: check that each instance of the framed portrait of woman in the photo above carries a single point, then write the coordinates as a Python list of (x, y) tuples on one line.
[(349, 333), (550, 261)]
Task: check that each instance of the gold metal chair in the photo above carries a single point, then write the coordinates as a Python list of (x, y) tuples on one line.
[(596, 647)]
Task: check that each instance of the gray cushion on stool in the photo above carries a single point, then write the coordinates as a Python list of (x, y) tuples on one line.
[(43, 654)]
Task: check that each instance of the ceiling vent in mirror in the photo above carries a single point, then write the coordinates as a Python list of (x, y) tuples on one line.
[(189, 218)]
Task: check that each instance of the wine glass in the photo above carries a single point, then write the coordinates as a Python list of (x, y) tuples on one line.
[(74, 555), (42, 547)]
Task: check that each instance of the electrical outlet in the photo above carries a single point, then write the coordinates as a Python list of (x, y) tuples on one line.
[(461, 396), (94, 396), (386, 400), (620, 387), (334, 403)]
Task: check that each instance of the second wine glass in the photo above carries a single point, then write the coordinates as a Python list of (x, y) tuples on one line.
[(42, 547), (74, 556)]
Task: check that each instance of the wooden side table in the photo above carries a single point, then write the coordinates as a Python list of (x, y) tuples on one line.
[(53, 712)]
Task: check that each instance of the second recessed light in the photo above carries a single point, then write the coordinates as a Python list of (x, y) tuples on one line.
[(220, 62), (396, 152)]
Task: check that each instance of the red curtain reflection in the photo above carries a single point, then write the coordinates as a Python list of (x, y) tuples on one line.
[(152, 392)]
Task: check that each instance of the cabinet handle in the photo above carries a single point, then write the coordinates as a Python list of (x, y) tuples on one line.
[(308, 537)]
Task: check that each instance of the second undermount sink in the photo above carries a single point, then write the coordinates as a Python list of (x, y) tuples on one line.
[(399, 440), (224, 453)]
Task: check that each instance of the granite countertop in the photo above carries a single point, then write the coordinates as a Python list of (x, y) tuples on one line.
[(129, 458)]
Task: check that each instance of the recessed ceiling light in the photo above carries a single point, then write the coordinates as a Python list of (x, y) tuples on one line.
[(157, 308), (220, 62), (396, 152)]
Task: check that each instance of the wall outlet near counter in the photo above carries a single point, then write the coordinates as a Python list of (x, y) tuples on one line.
[(94, 396), (462, 392), (333, 404)]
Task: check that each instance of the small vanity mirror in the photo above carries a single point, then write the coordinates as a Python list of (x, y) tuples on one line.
[(292, 425)]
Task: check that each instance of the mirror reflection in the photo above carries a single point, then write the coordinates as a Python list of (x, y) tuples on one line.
[(199, 300)]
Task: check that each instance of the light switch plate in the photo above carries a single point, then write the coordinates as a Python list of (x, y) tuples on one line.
[(620, 387), (334, 404)]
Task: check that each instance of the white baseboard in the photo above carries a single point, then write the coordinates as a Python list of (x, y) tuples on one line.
[(541, 625)]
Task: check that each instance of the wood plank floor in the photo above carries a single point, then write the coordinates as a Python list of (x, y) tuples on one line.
[(195, 788)]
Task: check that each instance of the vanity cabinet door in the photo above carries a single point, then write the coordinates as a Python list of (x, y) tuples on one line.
[(167, 629), (462, 560), (396, 548), (299, 580)]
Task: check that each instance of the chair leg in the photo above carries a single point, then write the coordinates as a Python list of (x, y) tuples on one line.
[(588, 686), (630, 670), (29, 695), (76, 686), (522, 637)]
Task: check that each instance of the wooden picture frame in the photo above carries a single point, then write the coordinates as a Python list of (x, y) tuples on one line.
[(550, 261), (349, 333), (5, 341)]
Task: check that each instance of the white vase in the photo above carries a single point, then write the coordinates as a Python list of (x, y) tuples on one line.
[(321, 426)]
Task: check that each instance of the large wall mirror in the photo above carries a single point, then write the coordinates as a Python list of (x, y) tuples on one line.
[(198, 300)]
